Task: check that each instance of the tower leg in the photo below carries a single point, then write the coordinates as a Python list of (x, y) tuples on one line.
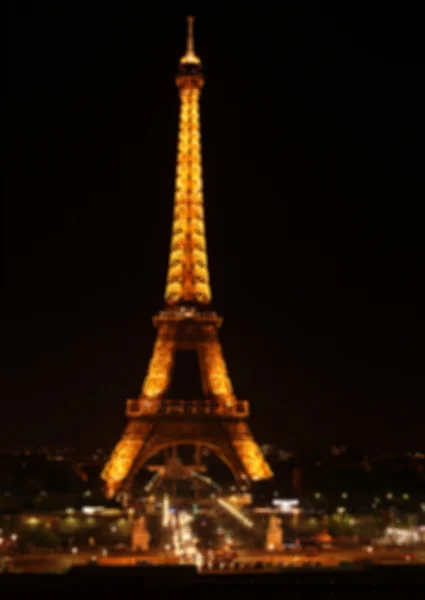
[(248, 451), (124, 455)]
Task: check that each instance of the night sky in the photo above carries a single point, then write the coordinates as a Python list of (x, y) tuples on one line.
[(312, 127)]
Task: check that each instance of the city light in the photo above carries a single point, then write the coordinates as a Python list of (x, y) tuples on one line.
[(236, 513), (165, 511), (285, 506), (400, 536), (88, 510), (184, 542)]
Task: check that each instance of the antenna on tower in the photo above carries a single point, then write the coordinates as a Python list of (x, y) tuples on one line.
[(190, 47), (190, 56)]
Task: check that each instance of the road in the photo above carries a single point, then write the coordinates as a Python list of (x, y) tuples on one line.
[(58, 563)]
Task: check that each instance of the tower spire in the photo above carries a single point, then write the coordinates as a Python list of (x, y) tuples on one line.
[(190, 43), (190, 56)]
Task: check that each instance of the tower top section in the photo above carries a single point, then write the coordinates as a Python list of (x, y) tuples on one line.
[(188, 276), (190, 57)]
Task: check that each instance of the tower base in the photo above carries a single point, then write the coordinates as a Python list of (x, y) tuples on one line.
[(223, 430)]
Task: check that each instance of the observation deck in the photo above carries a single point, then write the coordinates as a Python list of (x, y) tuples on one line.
[(186, 409)]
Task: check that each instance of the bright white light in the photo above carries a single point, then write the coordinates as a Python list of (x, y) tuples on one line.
[(74, 550), (341, 509), (166, 511), (88, 510), (285, 506), (401, 537), (199, 561), (14, 537), (184, 542)]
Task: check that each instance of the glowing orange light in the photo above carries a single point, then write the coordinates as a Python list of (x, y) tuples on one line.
[(188, 276), (188, 281)]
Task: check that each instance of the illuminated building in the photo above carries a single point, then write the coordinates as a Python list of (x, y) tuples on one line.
[(217, 422)]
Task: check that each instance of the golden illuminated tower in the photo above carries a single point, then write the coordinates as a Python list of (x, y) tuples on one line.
[(217, 422)]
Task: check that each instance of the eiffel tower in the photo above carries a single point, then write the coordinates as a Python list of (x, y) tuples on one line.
[(218, 422)]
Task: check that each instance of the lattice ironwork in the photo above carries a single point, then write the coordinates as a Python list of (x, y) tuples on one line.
[(217, 422), (188, 277)]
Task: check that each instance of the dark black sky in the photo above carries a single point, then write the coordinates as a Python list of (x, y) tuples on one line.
[(312, 124)]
